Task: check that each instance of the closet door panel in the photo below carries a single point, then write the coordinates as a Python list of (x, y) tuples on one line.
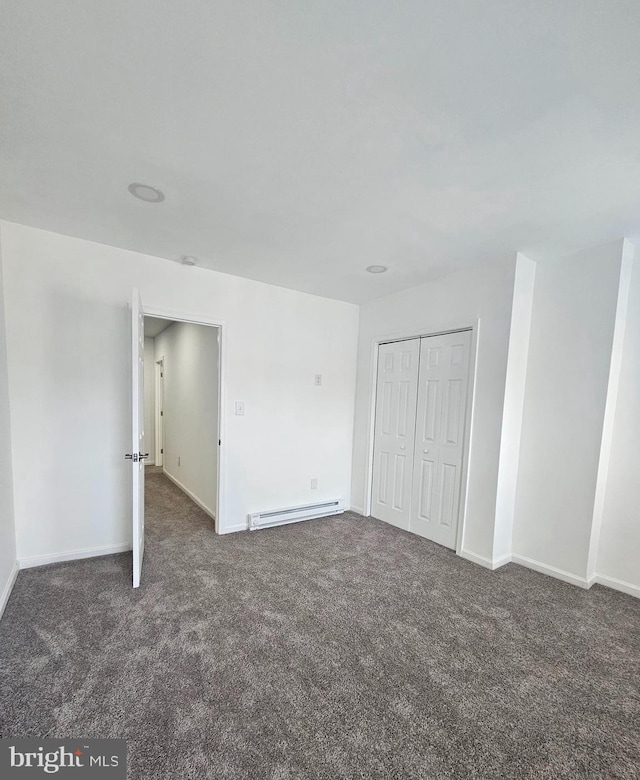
[(440, 425), (394, 431)]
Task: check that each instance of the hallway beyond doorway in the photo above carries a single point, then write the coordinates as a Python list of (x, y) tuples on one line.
[(181, 406)]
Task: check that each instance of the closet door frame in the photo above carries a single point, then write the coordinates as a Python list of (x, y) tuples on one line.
[(417, 333)]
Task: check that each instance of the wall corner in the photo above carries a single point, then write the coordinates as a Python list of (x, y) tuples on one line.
[(628, 251), (513, 405)]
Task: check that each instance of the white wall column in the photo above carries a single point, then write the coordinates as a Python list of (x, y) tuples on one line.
[(515, 384), (8, 563)]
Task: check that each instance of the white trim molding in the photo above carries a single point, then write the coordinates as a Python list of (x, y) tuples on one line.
[(191, 495), (233, 529), (404, 334), (623, 587), (486, 563), (503, 560), (223, 335), (551, 571), (8, 587), (73, 555)]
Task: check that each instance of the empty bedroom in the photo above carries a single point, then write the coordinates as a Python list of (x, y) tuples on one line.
[(319, 389)]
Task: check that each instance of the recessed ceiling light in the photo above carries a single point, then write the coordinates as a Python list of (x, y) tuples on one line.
[(188, 260), (146, 192), (377, 269)]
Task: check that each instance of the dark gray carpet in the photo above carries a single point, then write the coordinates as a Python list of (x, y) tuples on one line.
[(337, 648)]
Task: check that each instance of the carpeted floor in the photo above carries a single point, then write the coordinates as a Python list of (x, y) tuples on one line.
[(336, 648)]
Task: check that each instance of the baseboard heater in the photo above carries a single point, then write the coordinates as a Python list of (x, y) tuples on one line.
[(295, 514)]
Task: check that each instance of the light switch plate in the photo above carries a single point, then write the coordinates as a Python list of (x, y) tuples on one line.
[(239, 407)]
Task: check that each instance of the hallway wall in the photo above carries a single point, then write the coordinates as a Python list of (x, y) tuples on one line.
[(190, 353)]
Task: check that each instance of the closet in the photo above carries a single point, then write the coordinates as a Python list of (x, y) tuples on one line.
[(420, 415)]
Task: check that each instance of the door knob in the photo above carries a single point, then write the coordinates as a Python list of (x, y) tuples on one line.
[(425, 452), (403, 447), (142, 457)]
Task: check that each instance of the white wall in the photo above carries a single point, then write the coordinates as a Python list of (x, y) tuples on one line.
[(69, 378), (8, 569), (514, 393), (150, 399), (572, 326), (190, 354), (619, 549), (454, 301)]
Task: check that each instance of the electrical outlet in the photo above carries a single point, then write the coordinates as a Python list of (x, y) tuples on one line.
[(318, 380), (314, 484)]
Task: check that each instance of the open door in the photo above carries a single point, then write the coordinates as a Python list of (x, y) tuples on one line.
[(137, 455)]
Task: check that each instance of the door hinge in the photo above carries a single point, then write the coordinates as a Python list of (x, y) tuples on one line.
[(161, 451), (219, 442), (161, 413)]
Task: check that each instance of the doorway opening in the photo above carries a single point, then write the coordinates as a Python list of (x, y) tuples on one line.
[(197, 375), (421, 421), (181, 407)]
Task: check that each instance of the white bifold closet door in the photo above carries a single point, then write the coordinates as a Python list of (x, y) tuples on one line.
[(440, 425), (419, 434), (395, 430)]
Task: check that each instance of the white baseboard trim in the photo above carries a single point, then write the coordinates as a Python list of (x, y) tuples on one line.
[(191, 495), (551, 571), (233, 529), (616, 584), (357, 509), (149, 463), (73, 555), (502, 561), (8, 587), (486, 563)]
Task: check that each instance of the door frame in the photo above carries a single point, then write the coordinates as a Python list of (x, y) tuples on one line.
[(158, 418), (165, 313), (407, 334)]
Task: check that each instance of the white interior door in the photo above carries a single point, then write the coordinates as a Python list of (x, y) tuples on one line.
[(439, 441), (394, 435), (137, 455)]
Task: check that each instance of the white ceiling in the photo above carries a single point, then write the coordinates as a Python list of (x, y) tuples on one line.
[(153, 326), (298, 142)]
